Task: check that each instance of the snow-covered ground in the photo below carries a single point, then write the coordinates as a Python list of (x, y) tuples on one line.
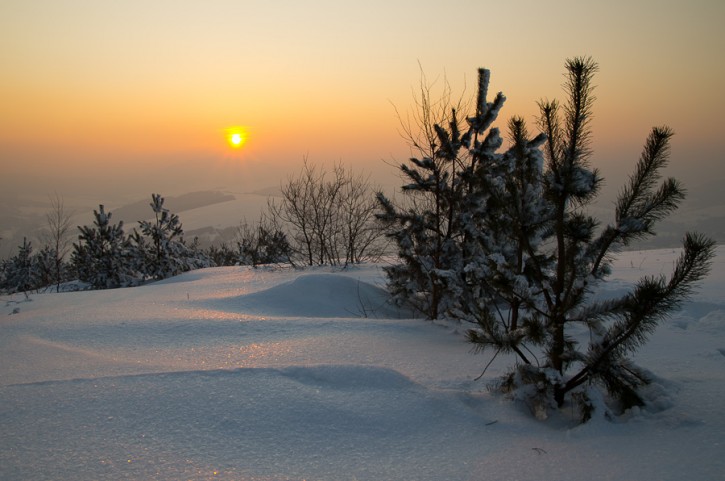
[(243, 374)]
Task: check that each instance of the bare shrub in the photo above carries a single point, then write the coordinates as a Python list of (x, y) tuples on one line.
[(329, 217)]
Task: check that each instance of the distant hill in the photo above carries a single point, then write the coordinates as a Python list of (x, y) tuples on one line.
[(141, 210), (211, 216)]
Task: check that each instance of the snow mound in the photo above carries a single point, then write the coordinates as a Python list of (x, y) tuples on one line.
[(320, 295), (182, 379)]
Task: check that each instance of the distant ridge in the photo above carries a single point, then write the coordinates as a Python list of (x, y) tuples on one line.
[(193, 200)]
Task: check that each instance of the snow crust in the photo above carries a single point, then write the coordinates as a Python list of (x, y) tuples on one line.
[(274, 374)]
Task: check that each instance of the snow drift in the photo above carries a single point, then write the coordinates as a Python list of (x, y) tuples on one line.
[(244, 374)]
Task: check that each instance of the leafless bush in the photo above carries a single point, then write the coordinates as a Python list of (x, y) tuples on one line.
[(328, 216), (57, 237)]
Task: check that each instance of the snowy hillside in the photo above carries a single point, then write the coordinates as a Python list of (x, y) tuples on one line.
[(242, 374)]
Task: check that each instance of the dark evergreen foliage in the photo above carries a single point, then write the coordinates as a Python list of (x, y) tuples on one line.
[(263, 244), (222, 255), (505, 242), (430, 233), (158, 246), (20, 273), (159, 249), (47, 267), (102, 257)]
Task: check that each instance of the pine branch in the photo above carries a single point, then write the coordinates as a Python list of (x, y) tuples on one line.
[(549, 124), (578, 111), (652, 300), (486, 112), (638, 207), (654, 157)]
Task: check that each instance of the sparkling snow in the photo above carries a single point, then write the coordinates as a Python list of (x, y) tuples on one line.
[(244, 374)]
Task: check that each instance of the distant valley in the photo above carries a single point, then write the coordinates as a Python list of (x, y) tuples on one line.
[(214, 216), (210, 215)]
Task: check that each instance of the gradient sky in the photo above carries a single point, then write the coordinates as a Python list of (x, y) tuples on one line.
[(125, 98)]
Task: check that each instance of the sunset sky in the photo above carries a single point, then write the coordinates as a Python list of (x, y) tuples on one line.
[(125, 98)]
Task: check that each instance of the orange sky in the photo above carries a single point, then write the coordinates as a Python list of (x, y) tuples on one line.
[(135, 96)]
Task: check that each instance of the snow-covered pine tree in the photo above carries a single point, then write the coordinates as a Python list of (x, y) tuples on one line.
[(101, 257), (262, 243), (196, 257), (430, 233), (160, 250), (560, 255), (21, 274), (45, 265), (504, 226), (222, 255), (504, 241), (158, 247)]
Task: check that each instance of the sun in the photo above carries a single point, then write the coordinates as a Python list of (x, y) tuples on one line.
[(236, 137)]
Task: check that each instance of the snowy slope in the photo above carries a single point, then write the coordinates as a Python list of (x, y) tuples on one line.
[(243, 374)]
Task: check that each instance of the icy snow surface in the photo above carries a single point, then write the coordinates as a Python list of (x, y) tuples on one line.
[(244, 374)]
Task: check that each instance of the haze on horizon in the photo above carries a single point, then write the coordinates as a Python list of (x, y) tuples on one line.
[(110, 101)]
